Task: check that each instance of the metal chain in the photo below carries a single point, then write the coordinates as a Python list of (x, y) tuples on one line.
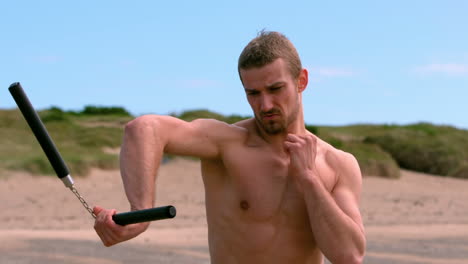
[(83, 202)]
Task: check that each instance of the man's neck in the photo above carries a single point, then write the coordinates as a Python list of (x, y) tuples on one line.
[(277, 140)]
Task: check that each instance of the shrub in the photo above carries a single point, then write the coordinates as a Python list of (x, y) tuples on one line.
[(203, 113), (200, 113), (335, 142), (379, 149), (54, 114), (104, 110), (312, 129), (426, 148)]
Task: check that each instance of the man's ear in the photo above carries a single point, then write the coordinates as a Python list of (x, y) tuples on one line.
[(302, 80)]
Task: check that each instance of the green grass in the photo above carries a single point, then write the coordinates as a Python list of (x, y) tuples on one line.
[(423, 147), (427, 148), (82, 137)]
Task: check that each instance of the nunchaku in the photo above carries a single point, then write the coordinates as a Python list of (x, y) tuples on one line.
[(61, 169)]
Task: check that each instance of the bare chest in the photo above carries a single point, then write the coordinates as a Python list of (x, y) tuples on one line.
[(254, 208), (258, 185)]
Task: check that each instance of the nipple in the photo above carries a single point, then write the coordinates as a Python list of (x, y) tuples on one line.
[(244, 205)]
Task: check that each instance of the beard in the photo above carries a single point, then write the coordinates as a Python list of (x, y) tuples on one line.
[(271, 127), (278, 125)]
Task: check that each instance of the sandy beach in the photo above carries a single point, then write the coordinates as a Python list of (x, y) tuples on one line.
[(416, 219)]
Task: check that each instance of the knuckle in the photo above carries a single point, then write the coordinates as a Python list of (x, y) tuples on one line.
[(108, 243), (311, 140), (296, 145)]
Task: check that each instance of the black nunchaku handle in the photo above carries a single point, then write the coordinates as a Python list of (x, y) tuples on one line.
[(146, 215), (39, 130), (61, 169)]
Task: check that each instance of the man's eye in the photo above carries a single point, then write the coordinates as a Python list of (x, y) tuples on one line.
[(275, 88), (252, 93)]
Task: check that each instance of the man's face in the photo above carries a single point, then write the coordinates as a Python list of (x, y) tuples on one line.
[(273, 95)]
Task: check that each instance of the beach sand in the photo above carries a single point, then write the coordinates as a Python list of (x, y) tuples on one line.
[(416, 219)]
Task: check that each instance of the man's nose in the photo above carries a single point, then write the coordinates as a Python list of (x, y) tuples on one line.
[(266, 103)]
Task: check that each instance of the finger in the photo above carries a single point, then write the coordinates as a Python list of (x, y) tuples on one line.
[(310, 140), (100, 228), (103, 234), (108, 239), (291, 146), (292, 138), (97, 209), (109, 220), (107, 229), (100, 216), (102, 223), (296, 139)]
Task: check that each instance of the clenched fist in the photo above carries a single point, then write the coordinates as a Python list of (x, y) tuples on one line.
[(302, 150), (112, 233)]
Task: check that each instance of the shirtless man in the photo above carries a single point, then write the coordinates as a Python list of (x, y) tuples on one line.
[(275, 193)]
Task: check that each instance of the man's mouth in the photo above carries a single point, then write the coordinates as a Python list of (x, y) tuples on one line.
[(269, 116)]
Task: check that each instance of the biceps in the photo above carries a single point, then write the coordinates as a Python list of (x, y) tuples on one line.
[(347, 197), (348, 203), (197, 138)]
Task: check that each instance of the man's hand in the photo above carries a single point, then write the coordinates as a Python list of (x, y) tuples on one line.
[(112, 233), (334, 216), (302, 151)]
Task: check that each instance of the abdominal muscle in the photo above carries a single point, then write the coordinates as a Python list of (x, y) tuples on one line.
[(235, 239), (240, 242)]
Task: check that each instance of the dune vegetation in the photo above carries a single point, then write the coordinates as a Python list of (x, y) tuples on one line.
[(91, 138), (86, 139)]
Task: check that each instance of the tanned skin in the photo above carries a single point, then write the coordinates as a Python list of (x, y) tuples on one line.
[(275, 193)]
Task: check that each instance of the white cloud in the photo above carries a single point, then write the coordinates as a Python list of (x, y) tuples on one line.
[(332, 72), (444, 68)]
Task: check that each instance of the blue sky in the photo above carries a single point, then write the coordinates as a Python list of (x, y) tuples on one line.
[(369, 61)]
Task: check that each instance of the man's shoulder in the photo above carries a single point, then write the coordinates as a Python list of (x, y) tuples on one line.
[(245, 123), (341, 161), (220, 129)]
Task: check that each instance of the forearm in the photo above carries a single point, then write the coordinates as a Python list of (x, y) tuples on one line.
[(140, 157), (339, 237), (145, 140)]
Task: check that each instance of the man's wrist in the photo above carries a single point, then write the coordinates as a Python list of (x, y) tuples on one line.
[(139, 207), (310, 181)]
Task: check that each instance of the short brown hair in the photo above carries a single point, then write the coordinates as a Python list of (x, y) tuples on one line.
[(266, 48)]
